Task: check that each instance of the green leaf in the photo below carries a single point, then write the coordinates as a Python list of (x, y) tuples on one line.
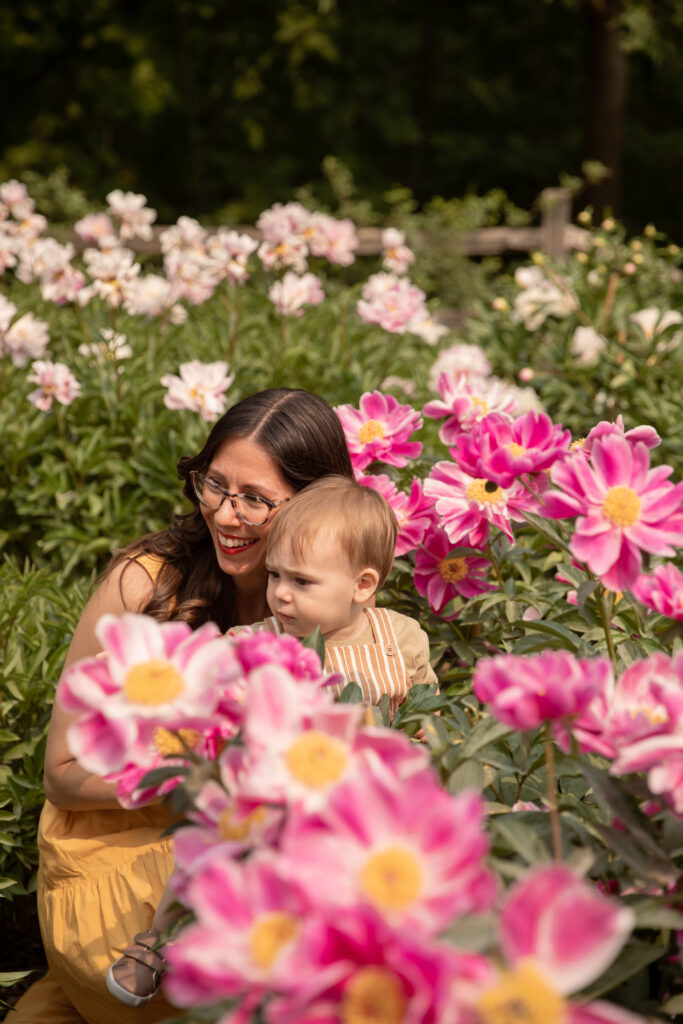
[(351, 694), (468, 775), (488, 730), (521, 838), (632, 959), (315, 642)]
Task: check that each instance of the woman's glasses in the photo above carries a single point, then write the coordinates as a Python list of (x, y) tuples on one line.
[(250, 508)]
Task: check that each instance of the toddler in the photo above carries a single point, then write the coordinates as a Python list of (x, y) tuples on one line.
[(330, 549)]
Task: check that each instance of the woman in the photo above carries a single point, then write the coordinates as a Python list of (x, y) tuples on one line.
[(103, 869)]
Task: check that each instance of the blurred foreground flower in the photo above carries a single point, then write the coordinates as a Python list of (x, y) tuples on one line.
[(557, 934), (525, 692)]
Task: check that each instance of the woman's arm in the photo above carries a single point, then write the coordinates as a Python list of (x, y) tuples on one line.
[(67, 785)]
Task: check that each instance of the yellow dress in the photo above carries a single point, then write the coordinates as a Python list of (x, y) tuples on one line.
[(101, 876)]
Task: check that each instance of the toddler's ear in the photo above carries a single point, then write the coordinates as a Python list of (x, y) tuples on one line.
[(366, 585)]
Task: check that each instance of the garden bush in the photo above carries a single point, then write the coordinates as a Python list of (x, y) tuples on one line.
[(112, 367)]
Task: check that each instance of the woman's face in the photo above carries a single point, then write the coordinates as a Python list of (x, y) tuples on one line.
[(242, 466)]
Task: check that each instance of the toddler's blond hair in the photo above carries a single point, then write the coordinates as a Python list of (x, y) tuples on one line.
[(359, 518)]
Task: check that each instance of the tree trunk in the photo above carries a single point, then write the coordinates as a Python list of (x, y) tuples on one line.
[(606, 90)]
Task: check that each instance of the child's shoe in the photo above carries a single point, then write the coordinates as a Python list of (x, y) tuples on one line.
[(136, 976)]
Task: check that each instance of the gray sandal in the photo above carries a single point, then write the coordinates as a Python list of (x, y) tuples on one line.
[(136, 976)]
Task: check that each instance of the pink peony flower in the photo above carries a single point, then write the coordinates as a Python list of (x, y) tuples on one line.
[(256, 649), (396, 256), (112, 348), (465, 400), (290, 252), (558, 934), (468, 506), (14, 195), (155, 675), (200, 388), (379, 430), (185, 236), (459, 360), (284, 221), (426, 327), (622, 505), (402, 846), (97, 229), (653, 321), (27, 338), (55, 383), (147, 295), (355, 969), (525, 692), (502, 450), (414, 512), (112, 272), (135, 216), (7, 312), (230, 252), (293, 292), (393, 303), (645, 434), (301, 746), (249, 919), (662, 591), (587, 346), (440, 578), (335, 240)]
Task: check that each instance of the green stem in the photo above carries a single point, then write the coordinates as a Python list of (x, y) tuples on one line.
[(77, 481), (496, 567), (552, 794), (235, 324), (600, 597)]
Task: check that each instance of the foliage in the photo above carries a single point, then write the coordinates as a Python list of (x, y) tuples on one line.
[(228, 108)]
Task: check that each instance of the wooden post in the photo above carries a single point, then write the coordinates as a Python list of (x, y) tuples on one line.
[(555, 204)]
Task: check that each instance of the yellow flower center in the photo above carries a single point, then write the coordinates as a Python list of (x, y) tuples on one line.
[(479, 491), (168, 742), (316, 759), (621, 506), (153, 682), (373, 996), (453, 569), (579, 443), (522, 996), (269, 935), (392, 879), (516, 449), (480, 403), (370, 431), (231, 828)]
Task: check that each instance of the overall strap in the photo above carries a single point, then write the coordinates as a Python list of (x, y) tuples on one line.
[(378, 668)]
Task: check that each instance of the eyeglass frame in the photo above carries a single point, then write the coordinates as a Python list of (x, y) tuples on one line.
[(196, 475)]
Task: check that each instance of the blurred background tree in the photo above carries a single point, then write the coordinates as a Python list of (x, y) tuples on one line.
[(222, 107)]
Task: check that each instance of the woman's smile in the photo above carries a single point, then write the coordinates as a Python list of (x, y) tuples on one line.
[(232, 545)]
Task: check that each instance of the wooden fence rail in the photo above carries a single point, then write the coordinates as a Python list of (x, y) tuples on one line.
[(555, 236)]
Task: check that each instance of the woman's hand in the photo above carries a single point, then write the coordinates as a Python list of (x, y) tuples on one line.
[(67, 785)]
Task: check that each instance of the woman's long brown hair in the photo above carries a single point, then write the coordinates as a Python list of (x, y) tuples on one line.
[(303, 436)]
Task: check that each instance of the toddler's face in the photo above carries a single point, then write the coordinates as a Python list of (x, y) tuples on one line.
[(316, 589)]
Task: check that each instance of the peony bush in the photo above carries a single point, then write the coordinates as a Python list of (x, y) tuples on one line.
[(521, 860)]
